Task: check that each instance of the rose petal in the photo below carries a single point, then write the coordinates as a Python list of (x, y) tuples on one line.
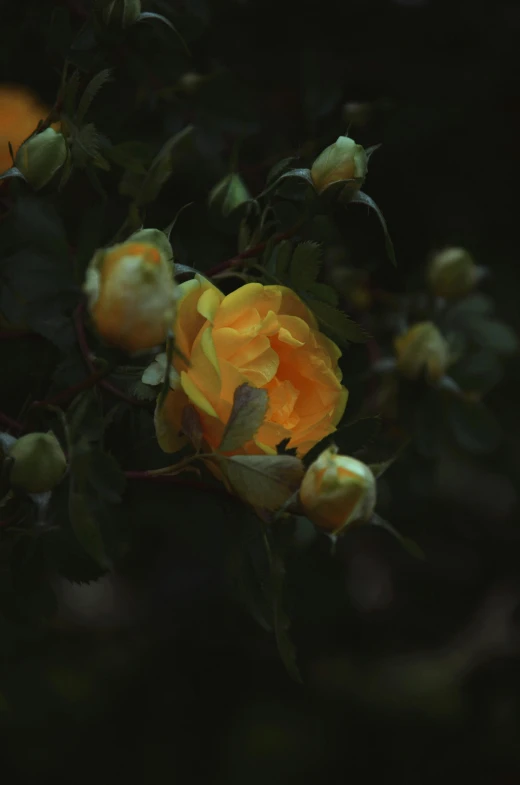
[(195, 395)]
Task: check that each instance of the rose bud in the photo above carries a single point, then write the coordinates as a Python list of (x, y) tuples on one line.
[(132, 291), (337, 490), (343, 160), (422, 348), (452, 273), (39, 462), (40, 157)]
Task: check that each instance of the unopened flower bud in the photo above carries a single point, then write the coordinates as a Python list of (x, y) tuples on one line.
[(337, 490), (122, 13), (40, 157), (132, 291), (229, 194), (422, 348), (452, 273), (343, 160), (39, 462)]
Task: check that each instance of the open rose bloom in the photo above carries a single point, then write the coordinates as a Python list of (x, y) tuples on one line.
[(261, 335)]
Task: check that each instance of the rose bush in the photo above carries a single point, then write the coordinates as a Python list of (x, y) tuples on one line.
[(261, 335)]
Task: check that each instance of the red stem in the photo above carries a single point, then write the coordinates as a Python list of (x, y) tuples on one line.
[(87, 356), (174, 480), (250, 252), (10, 424)]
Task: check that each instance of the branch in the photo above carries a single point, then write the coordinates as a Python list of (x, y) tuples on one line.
[(254, 251), (10, 424), (96, 375)]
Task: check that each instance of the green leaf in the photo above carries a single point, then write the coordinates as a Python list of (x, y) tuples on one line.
[(302, 175), (70, 93), (39, 225), (265, 481), (492, 334), (282, 254), (409, 545), (473, 305), (281, 620), (150, 15), (106, 477), (324, 293), (91, 90), (163, 165), (86, 529), (363, 198), (135, 156), (85, 417), (37, 292), (473, 425), (247, 415), (337, 323), (278, 169), (12, 172), (191, 426), (85, 144), (83, 524), (478, 372), (305, 265), (90, 234), (350, 438)]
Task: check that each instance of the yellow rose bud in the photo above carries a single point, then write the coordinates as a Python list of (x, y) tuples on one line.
[(40, 157), (452, 273), (229, 194), (39, 463), (337, 490), (422, 347), (343, 160), (132, 293)]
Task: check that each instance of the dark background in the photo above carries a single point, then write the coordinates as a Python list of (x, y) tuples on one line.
[(412, 669)]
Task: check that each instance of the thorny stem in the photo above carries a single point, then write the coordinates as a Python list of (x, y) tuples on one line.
[(88, 357), (167, 471), (10, 424), (254, 251)]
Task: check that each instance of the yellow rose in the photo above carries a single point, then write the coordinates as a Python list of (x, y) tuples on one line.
[(132, 294), (343, 160), (261, 335), (20, 113), (337, 490), (422, 347), (452, 273)]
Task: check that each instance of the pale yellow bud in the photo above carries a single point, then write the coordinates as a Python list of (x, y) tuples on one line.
[(229, 194), (40, 157), (337, 490), (343, 160), (422, 348), (39, 463), (452, 273), (132, 292)]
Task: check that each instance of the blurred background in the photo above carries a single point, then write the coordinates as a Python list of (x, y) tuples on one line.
[(411, 667)]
